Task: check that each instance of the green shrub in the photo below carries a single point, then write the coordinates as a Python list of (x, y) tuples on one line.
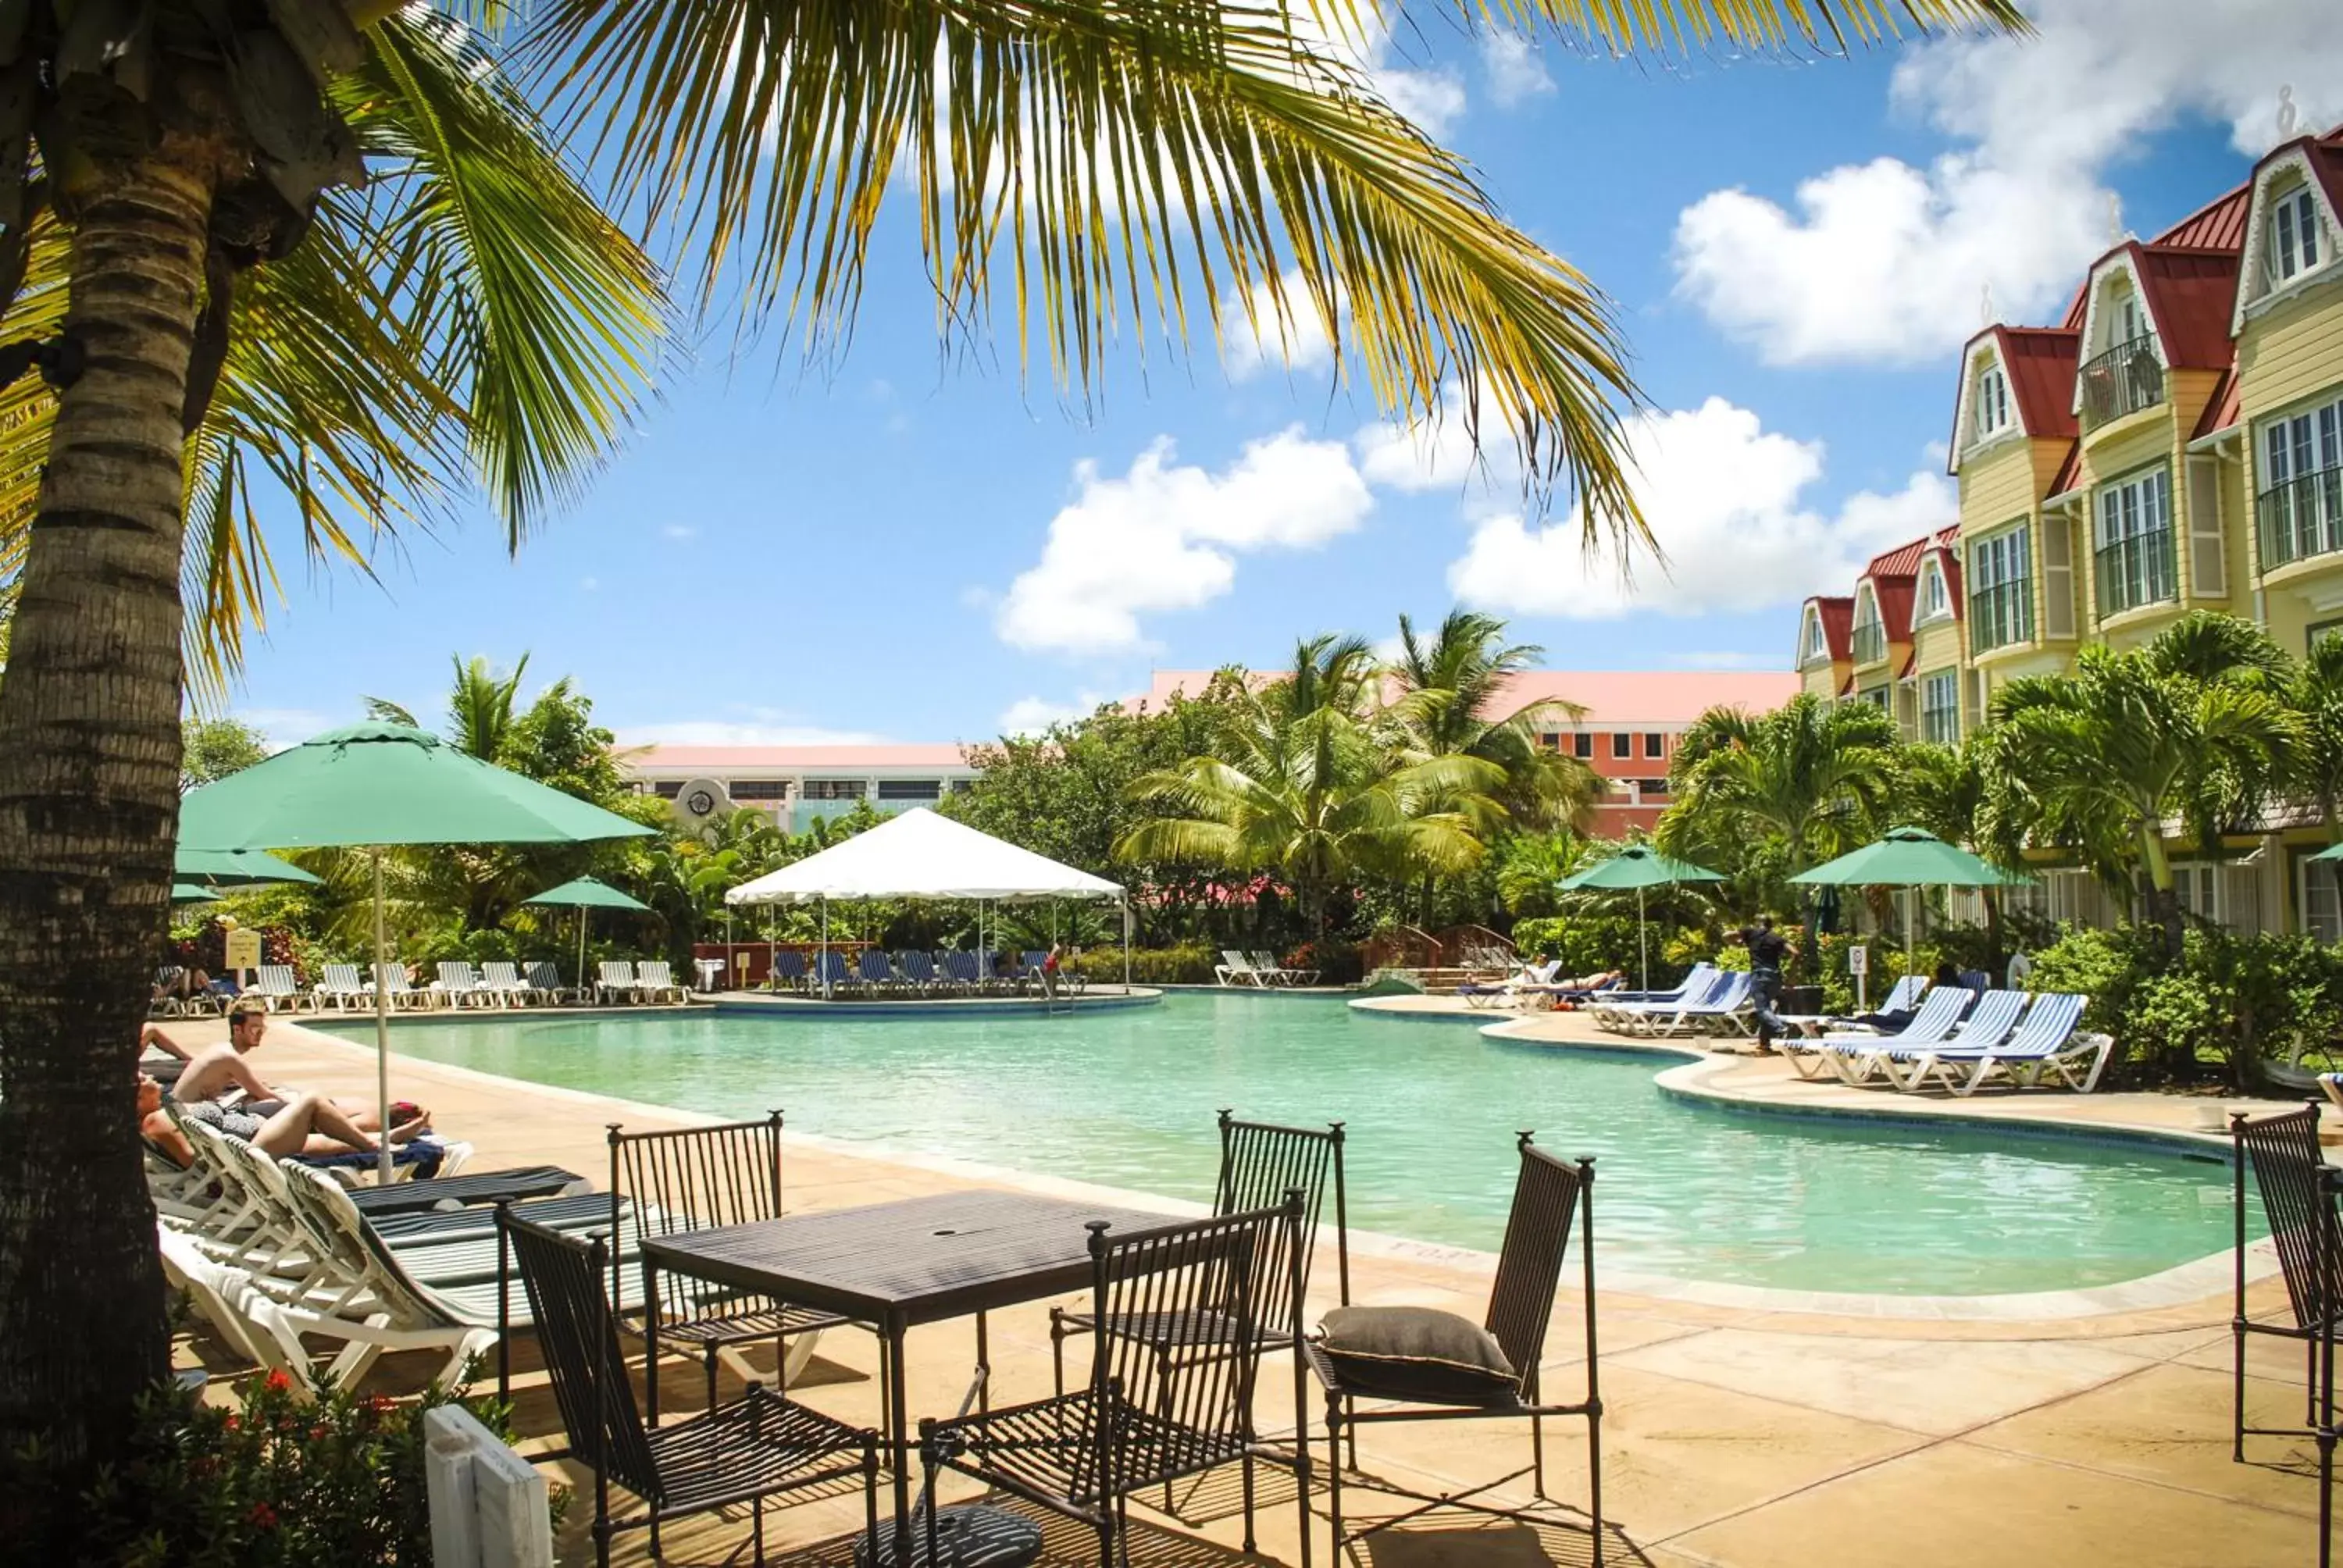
[(283, 1481), (1190, 963)]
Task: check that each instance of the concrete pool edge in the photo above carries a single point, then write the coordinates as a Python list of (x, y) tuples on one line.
[(2181, 1285)]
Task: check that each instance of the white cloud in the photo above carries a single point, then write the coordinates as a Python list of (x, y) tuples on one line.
[(1722, 659), (732, 732), (1514, 66), (1722, 495), (1432, 97), (1165, 536), (678, 531), (1887, 261), (1257, 334), (1438, 455), (1032, 715)]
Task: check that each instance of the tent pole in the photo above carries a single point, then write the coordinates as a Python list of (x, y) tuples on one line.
[(381, 1030), (728, 947), (825, 947)]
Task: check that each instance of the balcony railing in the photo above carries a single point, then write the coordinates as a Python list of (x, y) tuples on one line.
[(2303, 517), (2123, 381), (1869, 642), (2137, 571), (2001, 615)]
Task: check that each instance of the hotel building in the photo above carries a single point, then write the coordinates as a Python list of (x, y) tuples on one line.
[(2174, 443)]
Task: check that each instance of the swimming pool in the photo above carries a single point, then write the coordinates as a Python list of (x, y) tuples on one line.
[(1126, 1098)]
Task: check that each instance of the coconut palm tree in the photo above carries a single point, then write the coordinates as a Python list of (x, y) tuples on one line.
[(1450, 702), (1307, 791), (1793, 788), (2314, 690), (2106, 761), (166, 163)]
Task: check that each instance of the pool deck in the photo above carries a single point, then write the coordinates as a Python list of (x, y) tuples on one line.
[(1740, 1433)]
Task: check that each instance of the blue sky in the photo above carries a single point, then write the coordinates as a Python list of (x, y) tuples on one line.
[(903, 549)]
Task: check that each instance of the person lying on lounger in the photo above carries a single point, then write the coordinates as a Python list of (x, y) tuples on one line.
[(305, 1124), (212, 1071)]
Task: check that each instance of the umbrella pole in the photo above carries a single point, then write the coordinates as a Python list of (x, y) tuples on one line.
[(1907, 930), (1643, 946), (381, 1030), (1126, 944), (825, 948), (581, 950)]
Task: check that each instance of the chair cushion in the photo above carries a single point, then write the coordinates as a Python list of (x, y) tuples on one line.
[(1418, 1353)]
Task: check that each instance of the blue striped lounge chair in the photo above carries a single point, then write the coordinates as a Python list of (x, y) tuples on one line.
[(1629, 1016), (789, 969), (1854, 1057), (831, 973), (873, 972), (2051, 1042), (919, 972), (1988, 1023)]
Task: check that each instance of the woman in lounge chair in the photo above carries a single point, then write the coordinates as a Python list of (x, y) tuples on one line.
[(305, 1124)]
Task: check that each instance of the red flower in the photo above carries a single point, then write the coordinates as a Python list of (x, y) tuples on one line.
[(261, 1517), (229, 1421), (277, 1382)]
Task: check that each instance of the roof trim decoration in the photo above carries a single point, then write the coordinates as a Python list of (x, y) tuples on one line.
[(2319, 161)]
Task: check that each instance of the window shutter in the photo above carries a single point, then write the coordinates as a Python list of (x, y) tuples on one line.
[(2058, 577), (2208, 560)]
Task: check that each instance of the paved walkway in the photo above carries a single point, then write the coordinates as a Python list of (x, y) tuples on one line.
[(1737, 1435)]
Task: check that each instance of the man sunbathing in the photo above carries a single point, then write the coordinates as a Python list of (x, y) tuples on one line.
[(305, 1124), (213, 1071)]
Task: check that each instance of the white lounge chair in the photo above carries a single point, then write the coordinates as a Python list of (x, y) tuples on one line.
[(544, 980), (275, 987), (1234, 969), (1667, 1016), (398, 984), (2049, 1043), (458, 985), (655, 981), (1988, 1025), (617, 978), (1853, 1056), (501, 984), (341, 986)]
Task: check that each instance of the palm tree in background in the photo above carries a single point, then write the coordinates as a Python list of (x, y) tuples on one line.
[(1450, 702), (2314, 690), (1807, 782), (186, 254), (1307, 791), (2191, 731)]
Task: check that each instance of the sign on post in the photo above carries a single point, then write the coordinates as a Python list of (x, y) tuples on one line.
[(243, 951), (1858, 964)]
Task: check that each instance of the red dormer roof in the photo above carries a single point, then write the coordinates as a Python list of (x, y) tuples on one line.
[(2190, 293), (1837, 614), (2327, 163), (2218, 225), (2040, 364), (2069, 471), (1948, 561)]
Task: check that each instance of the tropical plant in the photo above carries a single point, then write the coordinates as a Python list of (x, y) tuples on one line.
[(1450, 702), (212, 749), (1304, 790), (1955, 792), (2188, 731), (2314, 690), (1790, 789), (179, 193)]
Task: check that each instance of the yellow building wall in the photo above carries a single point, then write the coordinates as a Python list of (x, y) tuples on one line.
[(2287, 357)]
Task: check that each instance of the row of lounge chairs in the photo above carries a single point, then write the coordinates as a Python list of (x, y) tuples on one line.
[(1259, 969), (344, 987), (1962, 1039), (1710, 1000), (875, 973)]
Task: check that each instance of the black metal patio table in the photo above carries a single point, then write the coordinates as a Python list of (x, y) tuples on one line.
[(897, 1265)]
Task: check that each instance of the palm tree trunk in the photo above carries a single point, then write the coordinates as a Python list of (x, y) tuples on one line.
[(2163, 902), (89, 803)]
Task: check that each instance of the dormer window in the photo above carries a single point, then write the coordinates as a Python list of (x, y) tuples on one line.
[(1818, 647), (1934, 600), (2294, 247), (1992, 404), (2127, 374), (1868, 641)]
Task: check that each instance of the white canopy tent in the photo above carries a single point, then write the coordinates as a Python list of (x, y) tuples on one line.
[(921, 855)]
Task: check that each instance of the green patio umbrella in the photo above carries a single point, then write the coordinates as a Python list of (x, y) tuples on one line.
[(375, 786), (586, 893), (188, 893), (1642, 868), (236, 867), (1910, 858)]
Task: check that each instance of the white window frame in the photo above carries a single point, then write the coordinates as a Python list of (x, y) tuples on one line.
[(2004, 556), (1992, 405), (2315, 912), (1865, 596), (2120, 513), (1816, 648), (2293, 236), (1940, 720), (1936, 594)]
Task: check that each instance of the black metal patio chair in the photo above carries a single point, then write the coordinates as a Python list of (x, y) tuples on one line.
[(1084, 1454), (758, 1446), (1260, 1163), (672, 1182), (1548, 1196)]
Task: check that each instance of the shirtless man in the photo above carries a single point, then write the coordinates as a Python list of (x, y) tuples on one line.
[(212, 1071), (305, 1124)]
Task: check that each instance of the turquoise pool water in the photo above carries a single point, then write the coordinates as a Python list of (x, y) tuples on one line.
[(1126, 1098)]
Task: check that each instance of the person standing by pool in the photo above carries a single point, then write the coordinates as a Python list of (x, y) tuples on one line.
[(1050, 972), (1768, 952)]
